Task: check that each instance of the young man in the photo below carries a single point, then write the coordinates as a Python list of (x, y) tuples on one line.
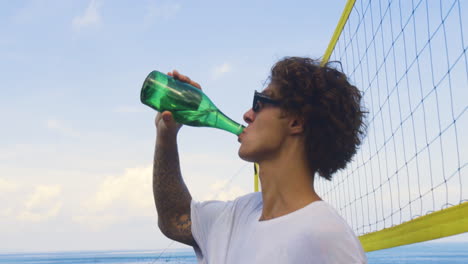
[(308, 122)]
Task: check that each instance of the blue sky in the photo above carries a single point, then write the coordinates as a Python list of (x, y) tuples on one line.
[(77, 144)]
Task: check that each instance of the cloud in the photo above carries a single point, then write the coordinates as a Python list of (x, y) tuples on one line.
[(222, 69), (224, 191), (130, 193), (215, 175), (91, 16), (133, 189), (60, 127), (8, 189), (7, 186), (43, 204)]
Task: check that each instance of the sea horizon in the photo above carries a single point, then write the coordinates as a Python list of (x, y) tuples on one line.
[(428, 252)]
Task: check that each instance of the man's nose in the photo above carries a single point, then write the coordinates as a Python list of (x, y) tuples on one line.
[(249, 116)]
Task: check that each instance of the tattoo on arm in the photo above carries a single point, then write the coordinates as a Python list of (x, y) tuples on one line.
[(171, 195)]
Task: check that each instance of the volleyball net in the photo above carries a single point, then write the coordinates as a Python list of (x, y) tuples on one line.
[(408, 183)]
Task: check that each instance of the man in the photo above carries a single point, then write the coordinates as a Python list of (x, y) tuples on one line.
[(308, 122)]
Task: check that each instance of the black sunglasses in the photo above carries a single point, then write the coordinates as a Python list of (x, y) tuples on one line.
[(259, 97)]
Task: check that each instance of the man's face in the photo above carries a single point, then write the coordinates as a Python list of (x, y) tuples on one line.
[(266, 129)]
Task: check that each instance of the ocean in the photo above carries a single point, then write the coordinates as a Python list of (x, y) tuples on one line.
[(440, 253)]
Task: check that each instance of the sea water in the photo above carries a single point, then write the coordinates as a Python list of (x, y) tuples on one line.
[(440, 253), (429, 252), (184, 256)]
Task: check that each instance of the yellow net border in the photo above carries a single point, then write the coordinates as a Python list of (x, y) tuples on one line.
[(443, 223)]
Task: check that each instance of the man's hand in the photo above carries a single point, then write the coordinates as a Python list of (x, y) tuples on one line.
[(183, 78), (165, 123)]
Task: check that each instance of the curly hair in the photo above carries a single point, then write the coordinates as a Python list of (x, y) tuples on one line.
[(334, 120)]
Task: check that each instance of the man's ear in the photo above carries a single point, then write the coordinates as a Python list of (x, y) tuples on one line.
[(296, 125)]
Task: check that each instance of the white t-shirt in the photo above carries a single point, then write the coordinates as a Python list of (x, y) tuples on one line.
[(231, 233)]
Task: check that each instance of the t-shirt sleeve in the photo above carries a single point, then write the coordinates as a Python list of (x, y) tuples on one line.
[(203, 216)]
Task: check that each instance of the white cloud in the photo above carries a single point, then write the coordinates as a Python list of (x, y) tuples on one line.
[(8, 190), (43, 204), (7, 186), (91, 16), (133, 188), (130, 193), (224, 191), (62, 128), (222, 69), (215, 175)]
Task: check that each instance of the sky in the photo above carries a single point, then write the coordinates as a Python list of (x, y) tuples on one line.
[(77, 145)]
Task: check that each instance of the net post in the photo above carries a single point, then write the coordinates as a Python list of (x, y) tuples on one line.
[(256, 177), (339, 28)]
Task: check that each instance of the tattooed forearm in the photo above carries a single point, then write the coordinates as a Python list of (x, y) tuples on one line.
[(171, 195)]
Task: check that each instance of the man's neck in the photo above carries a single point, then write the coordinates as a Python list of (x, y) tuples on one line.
[(287, 185)]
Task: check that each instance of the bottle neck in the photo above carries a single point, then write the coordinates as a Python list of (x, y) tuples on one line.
[(225, 123)]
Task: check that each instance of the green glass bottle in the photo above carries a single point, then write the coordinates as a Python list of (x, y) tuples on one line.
[(188, 105)]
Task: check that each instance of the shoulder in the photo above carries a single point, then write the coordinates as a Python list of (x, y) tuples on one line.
[(320, 223), (334, 234), (215, 208), (253, 199), (245, 204), (247, 199), (323, 212), (325, 220)]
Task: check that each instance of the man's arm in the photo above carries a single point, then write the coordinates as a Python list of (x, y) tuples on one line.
[(171, 195)]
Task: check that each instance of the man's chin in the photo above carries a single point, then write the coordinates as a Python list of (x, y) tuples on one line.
[(245, 156)]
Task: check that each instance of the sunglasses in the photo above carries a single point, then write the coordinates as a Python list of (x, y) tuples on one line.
[(260, 98)]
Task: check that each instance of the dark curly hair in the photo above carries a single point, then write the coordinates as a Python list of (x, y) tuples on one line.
[(334, 120)]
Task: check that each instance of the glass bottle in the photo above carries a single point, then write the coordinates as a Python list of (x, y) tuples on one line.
[(188, 104)]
